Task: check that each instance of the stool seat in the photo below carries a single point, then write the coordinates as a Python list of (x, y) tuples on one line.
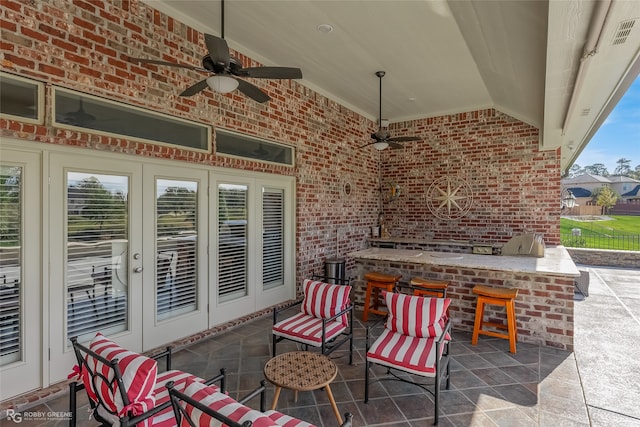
[(504, 297), (488, 291), (429, 287), (377, 282), (381, 277)]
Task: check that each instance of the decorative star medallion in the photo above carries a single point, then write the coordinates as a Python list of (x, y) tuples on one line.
[(449, 197)]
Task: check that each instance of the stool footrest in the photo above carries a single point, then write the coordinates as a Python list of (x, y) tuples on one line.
[(493, 334), (496, 325)]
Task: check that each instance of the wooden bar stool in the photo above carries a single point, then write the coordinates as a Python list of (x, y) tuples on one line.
[(505, 297), (430, 287), (375, 283)]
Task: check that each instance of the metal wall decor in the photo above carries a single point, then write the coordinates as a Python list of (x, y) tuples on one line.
[(390, 191), (449, 197)]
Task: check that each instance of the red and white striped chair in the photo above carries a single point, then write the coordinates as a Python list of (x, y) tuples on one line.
[(415, 340), (199, 405), (324, 321), (124, 387)]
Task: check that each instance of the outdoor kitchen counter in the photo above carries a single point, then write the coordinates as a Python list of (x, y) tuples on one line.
[(544, 306), (556, 261)]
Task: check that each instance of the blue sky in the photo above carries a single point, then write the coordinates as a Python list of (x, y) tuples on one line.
[(619, 135)]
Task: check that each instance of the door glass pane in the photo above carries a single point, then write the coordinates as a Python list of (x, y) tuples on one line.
[(176, 234), (10, 264), (97, 252), (272, 237), (232, 241)]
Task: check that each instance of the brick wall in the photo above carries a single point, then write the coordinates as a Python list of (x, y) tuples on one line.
[(515, 186), (544, 306), (604, 257), (85, 46)]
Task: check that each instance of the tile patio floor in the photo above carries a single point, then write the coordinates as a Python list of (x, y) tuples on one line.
[(538, 386)]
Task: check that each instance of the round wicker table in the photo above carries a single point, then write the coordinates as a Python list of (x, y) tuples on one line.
[(302, 371)]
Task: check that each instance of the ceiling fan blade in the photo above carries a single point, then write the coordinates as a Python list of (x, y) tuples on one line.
[(169, 64), (394, 145), (218, 49), (273, 72), (366, 145), (252, 91), (404, 139), (192, 90)]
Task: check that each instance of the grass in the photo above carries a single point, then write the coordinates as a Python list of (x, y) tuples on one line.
[(619, 232)]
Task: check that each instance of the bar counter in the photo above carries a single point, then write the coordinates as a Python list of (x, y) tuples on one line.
[(544, 306)]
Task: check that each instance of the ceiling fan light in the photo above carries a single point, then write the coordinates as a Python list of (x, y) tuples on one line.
[(222, 84), (381, 145)]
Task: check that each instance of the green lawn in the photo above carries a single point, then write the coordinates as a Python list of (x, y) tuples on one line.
[(620, 232)]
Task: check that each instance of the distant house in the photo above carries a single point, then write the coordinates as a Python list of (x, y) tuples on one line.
[(583, 187), (633, 195)]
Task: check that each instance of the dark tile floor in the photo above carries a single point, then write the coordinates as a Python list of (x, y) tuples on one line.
[(538, 386)]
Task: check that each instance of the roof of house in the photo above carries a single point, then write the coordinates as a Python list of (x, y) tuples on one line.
[(632, 193), (622, 178), (580, 192), (586, 179)]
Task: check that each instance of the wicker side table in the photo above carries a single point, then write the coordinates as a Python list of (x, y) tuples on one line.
[(302, 371)]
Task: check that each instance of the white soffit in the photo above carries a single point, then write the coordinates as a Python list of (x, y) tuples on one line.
[(577, 103)]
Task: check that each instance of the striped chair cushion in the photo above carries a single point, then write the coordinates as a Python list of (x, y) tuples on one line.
[(416, 316), (139, 374), (166, 417), (222, 404), (411, 354), (285, 420), (325, 300), (307, 329)]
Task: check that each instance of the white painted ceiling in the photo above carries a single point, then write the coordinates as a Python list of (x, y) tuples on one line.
[(520, 57)]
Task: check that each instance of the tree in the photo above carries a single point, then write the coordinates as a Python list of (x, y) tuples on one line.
[(596, 169), (605, 197), (635, 174), (623, 167), (177, 200), (575, 170), (99, 206)]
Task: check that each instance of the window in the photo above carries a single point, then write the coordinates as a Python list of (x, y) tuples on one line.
[(97, 247), (248, 147), (273, 237), (21, 99), (232, 241), (177, 241), (10, 263), (78, 110)]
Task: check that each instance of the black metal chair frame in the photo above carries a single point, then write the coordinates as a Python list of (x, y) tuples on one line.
[(127, 420), (180, 412), (326, 348), (443, 368)]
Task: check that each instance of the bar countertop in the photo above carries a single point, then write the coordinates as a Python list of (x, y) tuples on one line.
[(556, 261)]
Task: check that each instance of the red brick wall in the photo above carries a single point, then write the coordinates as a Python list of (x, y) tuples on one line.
[(85, 46), (515, 186)]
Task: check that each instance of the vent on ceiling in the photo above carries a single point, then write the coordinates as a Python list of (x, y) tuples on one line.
[(623, 31), (585, 111)]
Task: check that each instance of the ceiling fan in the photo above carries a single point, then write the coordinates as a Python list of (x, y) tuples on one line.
[(381, 138), (227, 70), (77, 118)]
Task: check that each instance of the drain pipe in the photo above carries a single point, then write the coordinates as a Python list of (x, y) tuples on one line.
[(591, 46)]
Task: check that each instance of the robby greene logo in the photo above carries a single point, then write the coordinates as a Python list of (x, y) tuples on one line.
[(18, 417)]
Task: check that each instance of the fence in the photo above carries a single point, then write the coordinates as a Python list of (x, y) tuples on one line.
[(623, 242)]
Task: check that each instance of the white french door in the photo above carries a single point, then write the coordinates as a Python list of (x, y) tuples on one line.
[(175, 257), (252, 236), (145, 252), (21, 356), (96, 267)]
